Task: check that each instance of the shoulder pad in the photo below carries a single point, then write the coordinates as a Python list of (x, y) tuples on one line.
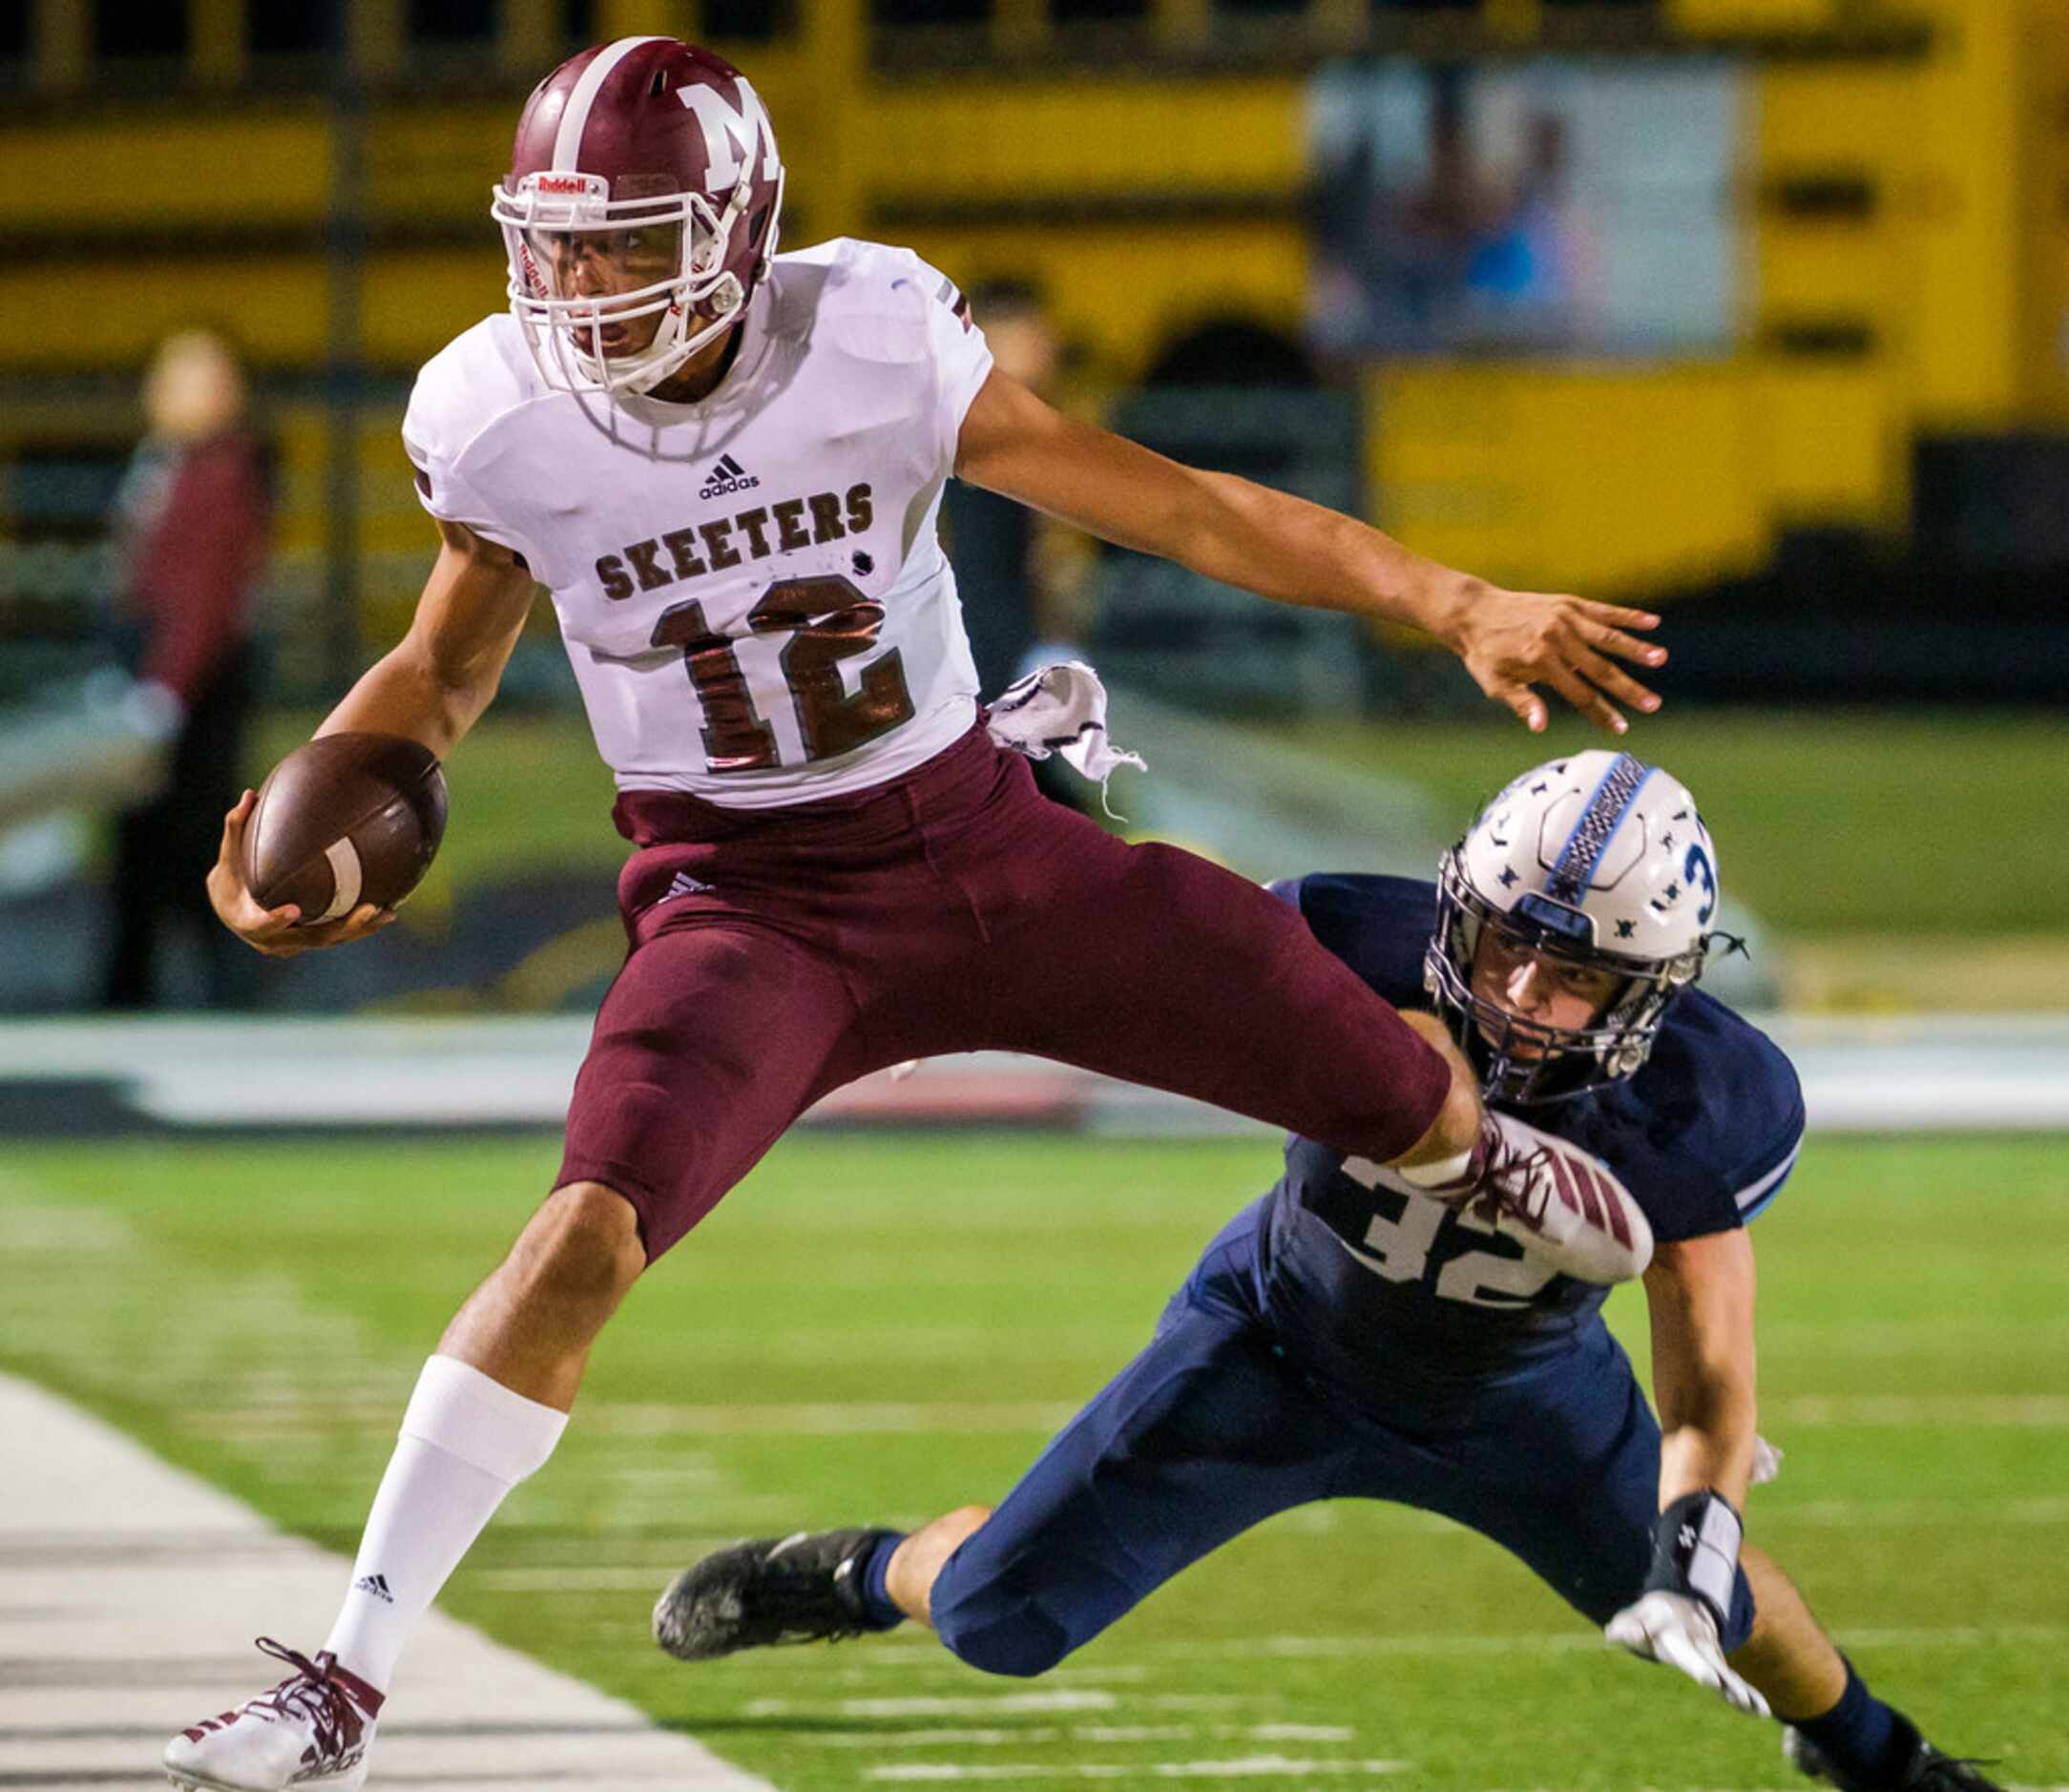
[(481, 375), (871, 299)]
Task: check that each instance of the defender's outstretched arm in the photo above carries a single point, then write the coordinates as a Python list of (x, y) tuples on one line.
[(1701, 1295), (1293, 552)]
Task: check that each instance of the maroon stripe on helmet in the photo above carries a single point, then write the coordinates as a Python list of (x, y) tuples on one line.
[(604, 76)]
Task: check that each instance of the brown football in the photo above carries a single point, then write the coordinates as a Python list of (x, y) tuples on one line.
[(343, 820)]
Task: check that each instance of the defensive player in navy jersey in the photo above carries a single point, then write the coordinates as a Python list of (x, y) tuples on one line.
[(1350, 1334)]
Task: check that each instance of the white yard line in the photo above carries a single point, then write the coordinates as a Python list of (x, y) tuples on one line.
[(1581, 1638), (294, 1416), (132, 1591), (1245, 1767)]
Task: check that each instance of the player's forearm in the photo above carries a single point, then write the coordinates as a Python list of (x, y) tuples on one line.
[(403, 694), (436, 681), (1222, 527), (1700, 1295), (1292, 552), (1710, 1448)]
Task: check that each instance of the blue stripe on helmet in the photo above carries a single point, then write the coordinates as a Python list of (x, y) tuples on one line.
[(1600, 816)]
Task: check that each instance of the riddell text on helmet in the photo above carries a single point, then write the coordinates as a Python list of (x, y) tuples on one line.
[(782, 527)]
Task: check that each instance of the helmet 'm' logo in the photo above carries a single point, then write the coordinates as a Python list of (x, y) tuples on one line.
[(731, 134)]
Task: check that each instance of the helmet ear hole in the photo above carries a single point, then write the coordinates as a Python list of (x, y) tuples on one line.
[(658, 85), (756, 225)]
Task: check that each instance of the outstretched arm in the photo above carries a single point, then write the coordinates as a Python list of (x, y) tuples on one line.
[(1701, 1295), (1293, 552)]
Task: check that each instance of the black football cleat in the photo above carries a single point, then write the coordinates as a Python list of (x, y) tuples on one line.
[(802, 1588), (1925, 1769)]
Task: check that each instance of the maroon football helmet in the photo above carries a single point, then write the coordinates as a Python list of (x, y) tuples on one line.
[(652, 155)]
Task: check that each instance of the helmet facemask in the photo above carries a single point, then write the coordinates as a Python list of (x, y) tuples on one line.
[(554, 220), (1523, 1061)]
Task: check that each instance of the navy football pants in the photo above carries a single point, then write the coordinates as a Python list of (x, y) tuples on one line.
[(1210, 1430)]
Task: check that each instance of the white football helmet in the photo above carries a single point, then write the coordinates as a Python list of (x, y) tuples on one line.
[(1599, 860)]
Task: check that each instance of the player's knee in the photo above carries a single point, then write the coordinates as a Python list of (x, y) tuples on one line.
[(583, 1246), (1014, 1638), (993, 1618)]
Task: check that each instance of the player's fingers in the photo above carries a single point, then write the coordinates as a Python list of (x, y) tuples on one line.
[(1744, 1696), (242, 912), (1616, 641), (346, 927), (1673, 1646), (1627, 1631), (1618, 615), (1586, 698), (232, 830), (1607, 676), (272, 931), (1523, 702), (368, 917)]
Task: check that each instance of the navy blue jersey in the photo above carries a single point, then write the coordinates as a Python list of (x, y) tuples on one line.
[(1377, 1287)]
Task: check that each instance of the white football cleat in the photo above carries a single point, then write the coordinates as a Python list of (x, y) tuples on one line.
[(1559, 1202), (313, 1729)]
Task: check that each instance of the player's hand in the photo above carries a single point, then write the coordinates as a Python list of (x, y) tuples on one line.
[(1680, 1631), (1510, 641), (273, 930)]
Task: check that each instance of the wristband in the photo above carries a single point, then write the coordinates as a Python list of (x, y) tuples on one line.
[(1695, 1551)]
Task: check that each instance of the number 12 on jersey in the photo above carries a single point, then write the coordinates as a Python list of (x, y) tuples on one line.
[(828, 619)]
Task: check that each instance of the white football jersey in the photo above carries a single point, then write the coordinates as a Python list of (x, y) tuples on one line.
[(750, 588)]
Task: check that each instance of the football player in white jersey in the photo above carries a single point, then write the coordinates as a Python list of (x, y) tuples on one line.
[(724, 465)]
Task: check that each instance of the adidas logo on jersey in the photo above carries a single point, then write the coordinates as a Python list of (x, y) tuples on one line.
[(377, 1585), (728, 476)]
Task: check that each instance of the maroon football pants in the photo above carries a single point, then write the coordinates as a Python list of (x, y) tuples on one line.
[(779, 953)]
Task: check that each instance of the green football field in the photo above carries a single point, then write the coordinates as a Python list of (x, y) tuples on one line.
[(877, 1328)]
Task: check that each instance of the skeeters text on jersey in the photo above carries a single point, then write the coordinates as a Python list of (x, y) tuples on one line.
[(751, 589)]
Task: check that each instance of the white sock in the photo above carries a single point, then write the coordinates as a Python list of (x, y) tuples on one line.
[(466, 1442)]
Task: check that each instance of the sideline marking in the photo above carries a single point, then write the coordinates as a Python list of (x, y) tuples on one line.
[(132, 1588)]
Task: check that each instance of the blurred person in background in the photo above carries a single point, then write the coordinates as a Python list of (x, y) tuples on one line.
[(191, 524), (1539, 278)]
